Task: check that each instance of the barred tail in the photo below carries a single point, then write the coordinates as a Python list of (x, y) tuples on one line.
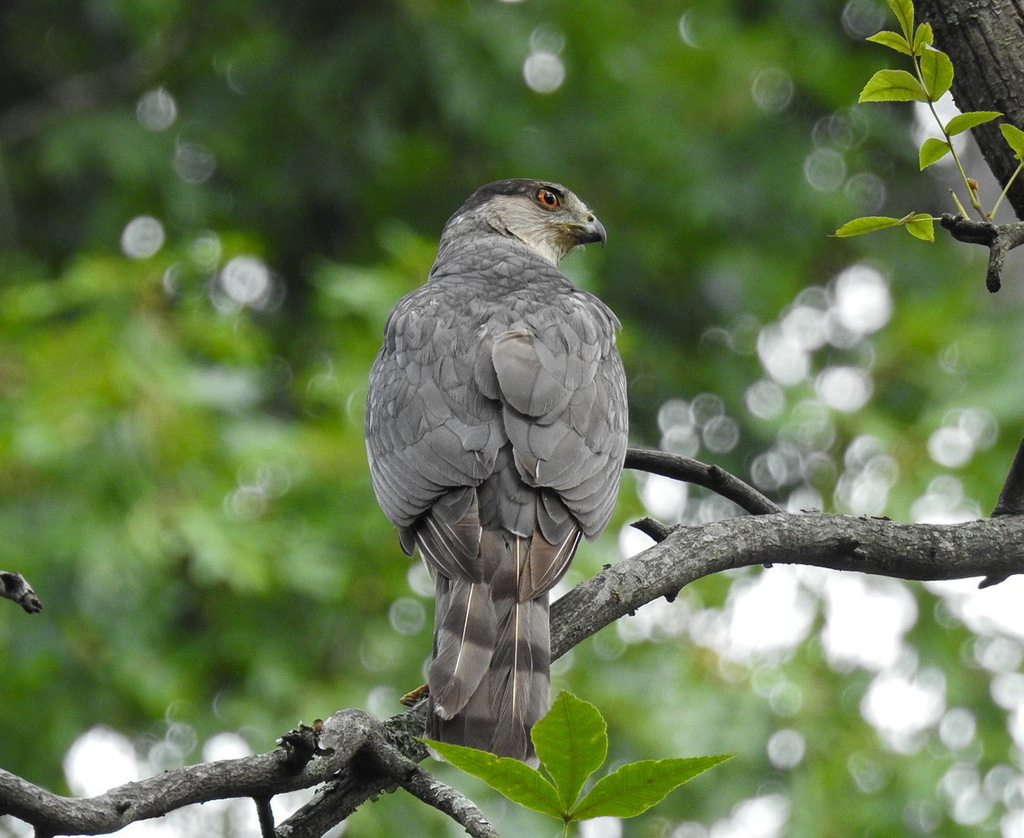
[(489, 680)]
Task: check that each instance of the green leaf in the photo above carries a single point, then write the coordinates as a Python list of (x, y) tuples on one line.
[(893, 86), (921, 226), (904, 11), (923, 37), (937, 72), (893, 40), (867, 224), (933, 150), (966, 121), (512, 778), (636, 787), (1014, 138), (572, 743)]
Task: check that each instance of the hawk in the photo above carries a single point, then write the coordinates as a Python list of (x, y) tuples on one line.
[(496, 428)]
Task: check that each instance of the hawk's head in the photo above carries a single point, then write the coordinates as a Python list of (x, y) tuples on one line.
[(544, 215)]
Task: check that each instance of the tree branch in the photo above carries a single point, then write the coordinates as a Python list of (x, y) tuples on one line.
[(878, 546), (15, 587), (352, 785), (1010, 502), (354, 757), (260, 776), (1011, 498), (444, 798), (265, 814), (711, 477), (998, 238)]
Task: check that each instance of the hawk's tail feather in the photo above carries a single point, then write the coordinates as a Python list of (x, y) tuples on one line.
[(520, 677), (464, 632), (495, 708)]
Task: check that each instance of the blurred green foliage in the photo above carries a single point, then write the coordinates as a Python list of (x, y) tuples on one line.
[(181, 463)]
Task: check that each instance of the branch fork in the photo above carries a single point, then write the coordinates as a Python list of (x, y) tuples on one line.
[(998, 238)]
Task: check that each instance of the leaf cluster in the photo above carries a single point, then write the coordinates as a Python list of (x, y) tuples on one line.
[(930, 80), (572, 743)]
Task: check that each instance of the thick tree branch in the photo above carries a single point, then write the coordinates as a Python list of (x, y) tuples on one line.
[(14, 586), (991, 547), (356, 782)]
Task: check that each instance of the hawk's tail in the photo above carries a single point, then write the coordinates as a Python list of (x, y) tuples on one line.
[(489, 679)]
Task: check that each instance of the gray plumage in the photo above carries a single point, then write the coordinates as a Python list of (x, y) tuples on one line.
[(495, 430)]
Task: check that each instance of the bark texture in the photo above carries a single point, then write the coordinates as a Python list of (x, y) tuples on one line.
[(985, 40)]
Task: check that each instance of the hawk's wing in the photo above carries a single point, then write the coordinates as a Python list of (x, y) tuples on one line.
[(459, 379)]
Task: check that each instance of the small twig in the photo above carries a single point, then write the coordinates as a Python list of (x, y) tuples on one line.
[(655, 529), (301, 744), (711, 477), (1011, 498), (998, 238), (1010, 502), (266, 817), (15, 587)]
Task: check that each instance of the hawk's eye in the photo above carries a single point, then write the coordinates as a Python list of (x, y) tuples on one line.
[(547, 198)]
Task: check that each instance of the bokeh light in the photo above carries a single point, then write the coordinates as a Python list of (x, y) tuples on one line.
[(193, 162), (142, 237), (543, 71), (786, 748), (245, 281), (863, 303), (772, 89), (844, 388), (156, 110), (850, 640), (963, 432), (824, 169), (861, 18), (902, 704)]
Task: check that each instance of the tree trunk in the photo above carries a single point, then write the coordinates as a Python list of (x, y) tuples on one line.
[(985, 40)]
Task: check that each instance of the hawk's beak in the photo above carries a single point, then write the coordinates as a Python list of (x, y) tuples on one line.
[(591, 231)]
